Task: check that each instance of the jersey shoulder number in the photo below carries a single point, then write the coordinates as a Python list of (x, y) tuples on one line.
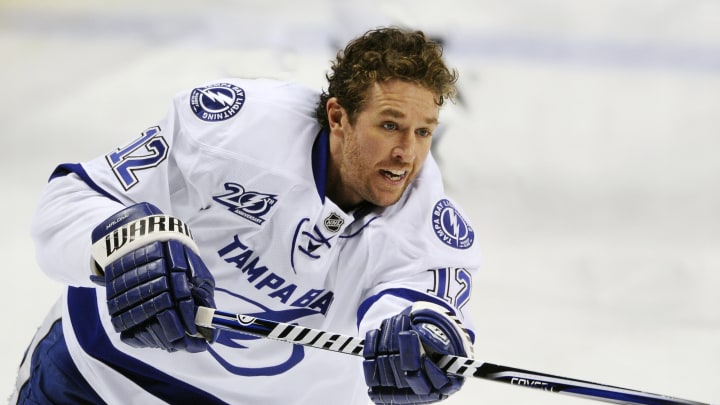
[(452, 285), (146, 152)]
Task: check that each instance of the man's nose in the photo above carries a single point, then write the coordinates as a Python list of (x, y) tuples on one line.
[(404, 149)]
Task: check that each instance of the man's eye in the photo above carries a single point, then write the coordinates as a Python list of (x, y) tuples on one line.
[(390, 126), (424, 132)]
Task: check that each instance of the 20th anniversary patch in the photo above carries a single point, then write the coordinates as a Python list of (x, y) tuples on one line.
[(217, 102)]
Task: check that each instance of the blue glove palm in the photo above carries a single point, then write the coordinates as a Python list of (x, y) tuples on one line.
[(154, 285), (398, 365)]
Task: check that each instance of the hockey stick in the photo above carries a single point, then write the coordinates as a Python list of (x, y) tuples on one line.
[(300, 335)]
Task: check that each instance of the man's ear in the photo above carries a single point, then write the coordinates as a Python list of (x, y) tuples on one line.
[(335, 113)]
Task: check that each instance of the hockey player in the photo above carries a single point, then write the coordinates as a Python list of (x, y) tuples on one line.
[(269, 199)]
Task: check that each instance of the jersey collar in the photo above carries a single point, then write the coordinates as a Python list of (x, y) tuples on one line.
[(320, 156)]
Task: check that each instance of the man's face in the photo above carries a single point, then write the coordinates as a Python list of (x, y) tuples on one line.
[(375, 159)]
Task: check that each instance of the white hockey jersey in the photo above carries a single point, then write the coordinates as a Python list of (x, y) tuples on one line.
[(243, 162)]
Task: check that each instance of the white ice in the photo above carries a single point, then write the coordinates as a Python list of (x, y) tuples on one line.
[(584, 149)]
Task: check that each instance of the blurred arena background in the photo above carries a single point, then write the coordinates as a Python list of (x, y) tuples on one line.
[(584, 147)]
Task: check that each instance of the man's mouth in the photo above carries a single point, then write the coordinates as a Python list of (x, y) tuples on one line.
[(394, 175)]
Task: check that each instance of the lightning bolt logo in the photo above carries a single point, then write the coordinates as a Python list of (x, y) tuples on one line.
[(450, 227), (217, 102), (256, 203), (251, 200), (453, 218), (218, 97)]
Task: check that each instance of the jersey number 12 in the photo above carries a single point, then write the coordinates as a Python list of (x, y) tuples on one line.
[(147, 151)]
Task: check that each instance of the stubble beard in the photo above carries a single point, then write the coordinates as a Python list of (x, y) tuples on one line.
[(363, 180)]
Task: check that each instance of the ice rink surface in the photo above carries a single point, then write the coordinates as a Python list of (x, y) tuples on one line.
[(585, 149)]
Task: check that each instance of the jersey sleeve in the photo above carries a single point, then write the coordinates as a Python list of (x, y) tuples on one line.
[(80, 196), (449, 287), (65, 215)]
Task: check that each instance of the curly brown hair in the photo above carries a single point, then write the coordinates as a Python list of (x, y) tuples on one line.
[(381, 55)]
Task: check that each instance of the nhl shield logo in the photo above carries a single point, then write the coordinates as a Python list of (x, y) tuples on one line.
[(334, 222)]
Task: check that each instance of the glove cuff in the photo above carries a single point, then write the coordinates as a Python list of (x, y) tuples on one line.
[(440, 330), (134, 227)]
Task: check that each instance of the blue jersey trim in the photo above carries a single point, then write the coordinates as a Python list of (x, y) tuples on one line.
[(320, 154), (408, 295), (76, 168), (82, 305)]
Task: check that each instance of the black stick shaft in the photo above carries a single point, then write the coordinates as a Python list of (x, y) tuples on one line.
[(319, 339)]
